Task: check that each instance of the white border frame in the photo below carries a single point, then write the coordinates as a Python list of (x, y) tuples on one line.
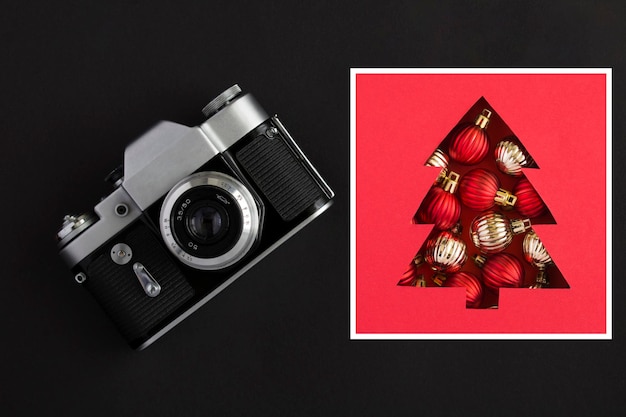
[(609, 212)]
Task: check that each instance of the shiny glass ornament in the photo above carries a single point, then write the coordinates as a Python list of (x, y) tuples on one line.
[(511, 158), (500, 270), (537, 255), (529, 204), (445, 252), (473, 287), (479, 189), (493, 232), (470, 144), (440, 206), (438, 159)]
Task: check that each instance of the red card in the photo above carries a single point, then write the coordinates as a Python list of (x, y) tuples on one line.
[(562, 118)]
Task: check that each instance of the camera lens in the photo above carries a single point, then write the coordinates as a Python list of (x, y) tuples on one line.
[(209, 220), (207, 223)]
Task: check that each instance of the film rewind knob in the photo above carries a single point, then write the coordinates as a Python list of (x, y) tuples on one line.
[(222, 100)]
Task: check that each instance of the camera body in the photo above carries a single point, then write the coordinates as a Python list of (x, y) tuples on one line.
[(193, 209)]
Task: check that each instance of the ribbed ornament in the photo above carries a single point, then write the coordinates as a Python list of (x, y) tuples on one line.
[(501, 270), (473, 287), (440, 206), (445, 252), (511, 158), (537, 255), (493, 232), (534, 251), (479, 189), (470, 143), (438, 159), (529, 204)]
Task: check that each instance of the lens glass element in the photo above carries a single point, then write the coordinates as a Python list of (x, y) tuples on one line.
[(206, 222)]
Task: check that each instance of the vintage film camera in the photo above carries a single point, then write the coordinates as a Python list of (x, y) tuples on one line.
[(193, 209)]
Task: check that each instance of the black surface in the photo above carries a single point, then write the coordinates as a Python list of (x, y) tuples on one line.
[(79, 80)]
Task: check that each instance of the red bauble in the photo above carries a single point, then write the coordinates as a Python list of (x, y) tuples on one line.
[(501, 270), (439, 207), (529, 204), (479, 190), (473, 287), (470, 144)]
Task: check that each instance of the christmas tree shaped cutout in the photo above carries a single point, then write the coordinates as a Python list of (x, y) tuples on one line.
[(483, 208)]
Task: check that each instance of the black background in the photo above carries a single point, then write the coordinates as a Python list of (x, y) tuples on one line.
[(80, 80)]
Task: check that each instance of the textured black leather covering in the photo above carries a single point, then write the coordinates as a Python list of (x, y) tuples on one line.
[(279, 175), (117, 288)]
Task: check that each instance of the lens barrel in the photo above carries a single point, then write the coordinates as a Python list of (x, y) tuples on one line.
[(209, 220)]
